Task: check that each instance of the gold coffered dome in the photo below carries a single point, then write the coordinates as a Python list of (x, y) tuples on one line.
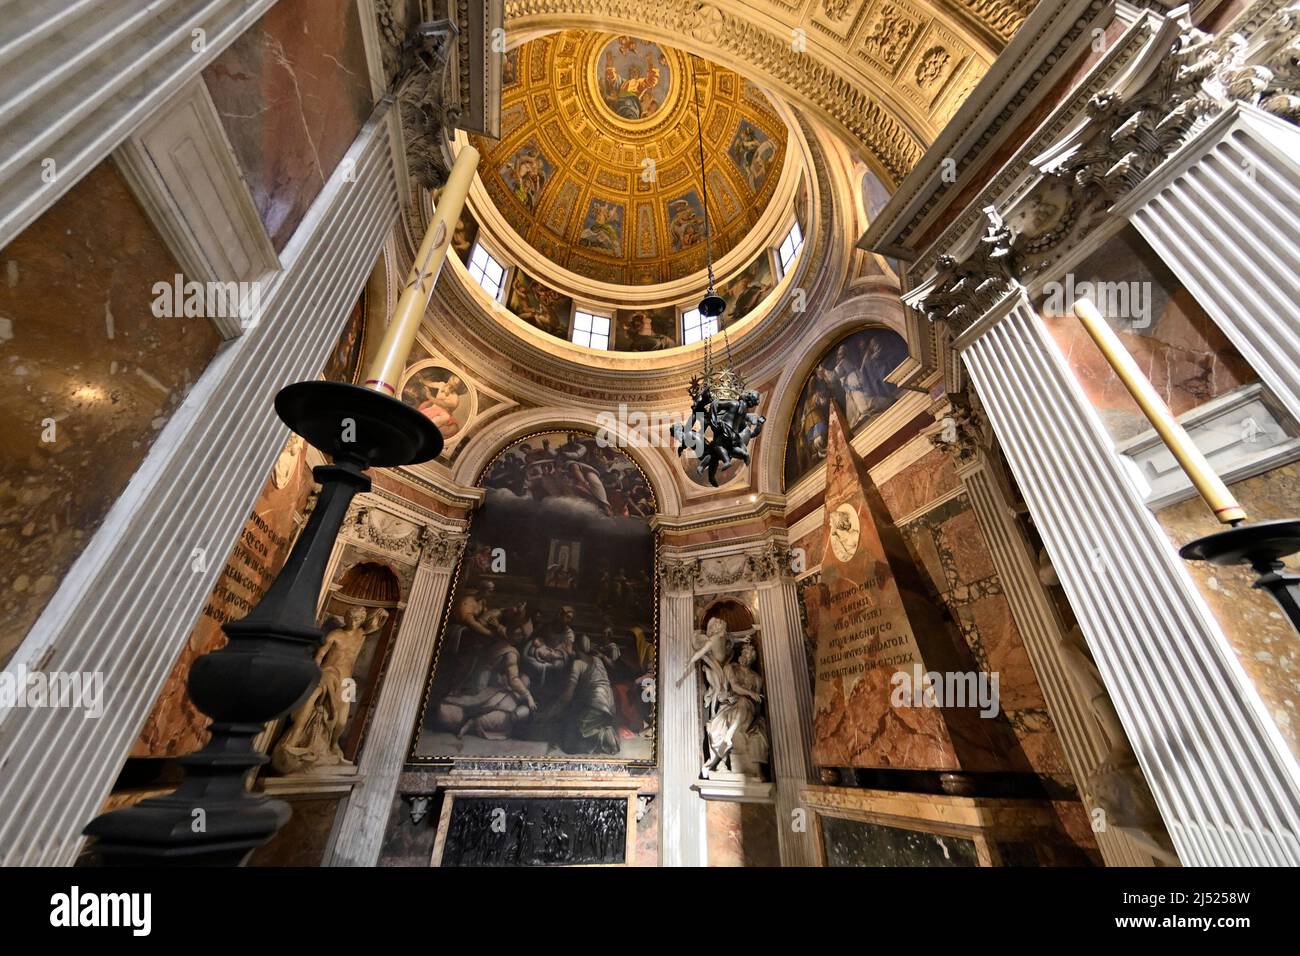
[(598, 166)]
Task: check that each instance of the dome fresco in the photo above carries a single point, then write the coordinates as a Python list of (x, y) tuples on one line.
[(598, 168)]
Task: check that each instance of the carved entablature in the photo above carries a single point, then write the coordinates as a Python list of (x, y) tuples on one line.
[(403, 539), (1183, 79), (444, 73), (725, 571)]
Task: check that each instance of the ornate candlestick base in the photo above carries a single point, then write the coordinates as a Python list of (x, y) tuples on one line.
[(268, 667), (1262, 545)]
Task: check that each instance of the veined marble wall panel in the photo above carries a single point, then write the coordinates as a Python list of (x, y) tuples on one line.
[(94, 376), (293, 92), (1176, 344), (1259, 633), (123, 608), (77, 78)]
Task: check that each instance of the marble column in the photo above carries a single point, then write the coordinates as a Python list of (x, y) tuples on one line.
[(789, 715), (1082, 739), (1222, 215), (359, 832), (1223, 778), (681, 729)]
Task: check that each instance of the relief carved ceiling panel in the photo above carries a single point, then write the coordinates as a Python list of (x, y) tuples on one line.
[(597, 165)]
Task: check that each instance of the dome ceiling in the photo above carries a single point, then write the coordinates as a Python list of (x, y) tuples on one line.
[(598, 167)]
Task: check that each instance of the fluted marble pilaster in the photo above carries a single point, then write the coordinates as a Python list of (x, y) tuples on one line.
[(1082, 740), (1223, 778), (360, 832), (789, 716), (1223, 216), (681, 730)]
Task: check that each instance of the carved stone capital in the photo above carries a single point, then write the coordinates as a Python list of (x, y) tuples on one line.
[(961, 431), (963, 290), (679, 574), (441, 549), (770, 563)]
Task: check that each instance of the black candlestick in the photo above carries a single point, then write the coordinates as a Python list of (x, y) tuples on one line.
[(1262, 545), (268, 667)]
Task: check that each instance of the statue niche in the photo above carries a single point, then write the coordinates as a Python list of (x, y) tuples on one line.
[(736, 733), (315, 734), (321, 732)]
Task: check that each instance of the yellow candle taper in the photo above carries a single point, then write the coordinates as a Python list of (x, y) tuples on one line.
[(1180, 444), (386, 370)]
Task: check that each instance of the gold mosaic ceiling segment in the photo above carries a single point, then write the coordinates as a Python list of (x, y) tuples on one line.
[(598, 165)]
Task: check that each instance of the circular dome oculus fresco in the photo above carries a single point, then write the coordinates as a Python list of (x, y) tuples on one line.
[(598, 168)]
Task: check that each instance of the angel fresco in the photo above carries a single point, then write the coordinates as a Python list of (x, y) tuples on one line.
[(752, 151), (685, 221), (603, 228), (526, 173), (441, 396)]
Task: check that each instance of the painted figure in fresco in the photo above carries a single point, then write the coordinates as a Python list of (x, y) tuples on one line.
[(562, 572), (525, 173), (588, 722), (630, 96), (540, 305), (472, 616), (876, 364), (494, 699), (318, 724), (637, 331), (753, 153), (441, 399), (601, 232), (857, 400), (685, 224)]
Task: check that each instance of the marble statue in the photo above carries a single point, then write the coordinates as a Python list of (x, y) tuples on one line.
[(735, 727), (317, 726)]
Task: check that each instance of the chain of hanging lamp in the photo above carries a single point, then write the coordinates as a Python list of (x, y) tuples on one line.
[(728, 379)]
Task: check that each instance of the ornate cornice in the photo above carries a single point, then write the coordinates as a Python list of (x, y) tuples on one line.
[(1051, 44), (1125, 138)]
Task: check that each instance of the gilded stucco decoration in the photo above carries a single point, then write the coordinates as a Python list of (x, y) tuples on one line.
[(597, 165)]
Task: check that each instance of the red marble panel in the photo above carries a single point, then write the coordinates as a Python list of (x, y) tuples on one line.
[(1176, 345), (918, 484)]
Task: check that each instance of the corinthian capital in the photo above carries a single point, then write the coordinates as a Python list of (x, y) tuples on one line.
[(442, 549)]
